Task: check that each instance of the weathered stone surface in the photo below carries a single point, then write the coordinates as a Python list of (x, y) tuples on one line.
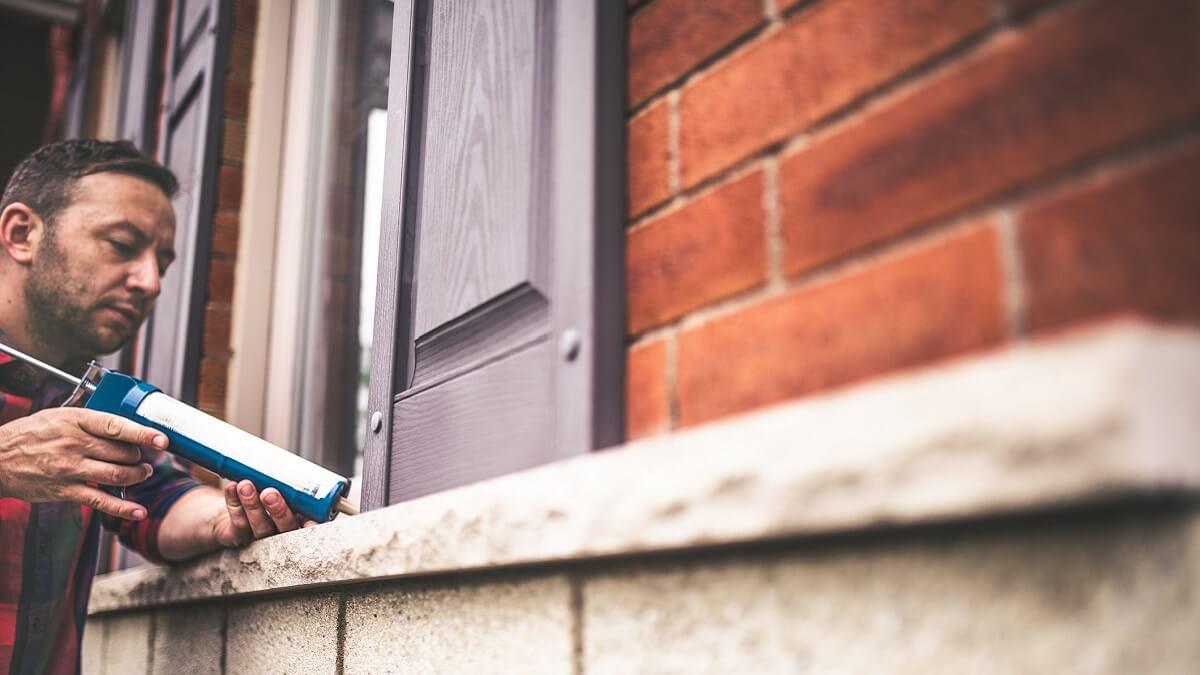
[(188, 639), (1079, 418), (488, 625), (292, 635), (126, 645), (91, 654), (1080, 597)]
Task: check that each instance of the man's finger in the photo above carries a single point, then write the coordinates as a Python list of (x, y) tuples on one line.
[(102, 501), (112, 427), (106, 473), (114, 452), (237, 515), (281, 514), (260, 522)]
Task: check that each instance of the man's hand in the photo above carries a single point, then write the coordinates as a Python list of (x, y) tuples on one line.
[(203, 520), (252, 515), (54, 454)]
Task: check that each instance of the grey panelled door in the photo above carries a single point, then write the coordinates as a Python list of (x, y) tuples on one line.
[(140, 60), (504, 220), (190, 135), (137, 115)]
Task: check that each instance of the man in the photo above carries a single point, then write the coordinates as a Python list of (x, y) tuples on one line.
[(86, 232)]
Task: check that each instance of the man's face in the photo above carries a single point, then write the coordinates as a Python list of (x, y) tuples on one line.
[(96, 272)]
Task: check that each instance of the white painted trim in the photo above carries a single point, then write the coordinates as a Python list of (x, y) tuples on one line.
[(1094, 416), (302, 195), (255, 270), (110, 88)]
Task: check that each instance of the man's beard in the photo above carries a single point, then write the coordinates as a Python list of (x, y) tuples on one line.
[(54, 318)]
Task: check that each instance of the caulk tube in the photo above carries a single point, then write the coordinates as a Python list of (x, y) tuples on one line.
[(222, 448)]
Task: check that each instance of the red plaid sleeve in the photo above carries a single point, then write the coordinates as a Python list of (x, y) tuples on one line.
[(157, 493)]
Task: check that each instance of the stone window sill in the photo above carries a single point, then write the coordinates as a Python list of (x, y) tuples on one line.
[(1106, 413)]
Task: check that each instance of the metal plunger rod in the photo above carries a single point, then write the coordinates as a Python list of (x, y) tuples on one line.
[(61, 374)]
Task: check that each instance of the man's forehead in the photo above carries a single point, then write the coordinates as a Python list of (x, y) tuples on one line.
[(103, 199)]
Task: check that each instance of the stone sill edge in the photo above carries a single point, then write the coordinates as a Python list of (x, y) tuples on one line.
[(1082, 417)]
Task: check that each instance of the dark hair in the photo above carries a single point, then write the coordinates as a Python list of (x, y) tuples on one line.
[(46, 179)]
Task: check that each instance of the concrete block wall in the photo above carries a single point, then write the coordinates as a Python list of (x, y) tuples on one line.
[(823, 191), (1044, 520), (1086, 592)]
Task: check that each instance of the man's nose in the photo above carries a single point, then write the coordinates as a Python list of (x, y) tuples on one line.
[(144, 277)]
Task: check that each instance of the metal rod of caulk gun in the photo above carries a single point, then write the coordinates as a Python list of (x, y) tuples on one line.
[(61, 374)]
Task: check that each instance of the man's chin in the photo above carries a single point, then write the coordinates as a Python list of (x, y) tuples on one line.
[(107, 339)]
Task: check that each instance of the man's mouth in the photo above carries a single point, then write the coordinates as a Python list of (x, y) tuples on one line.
[(128, 312)]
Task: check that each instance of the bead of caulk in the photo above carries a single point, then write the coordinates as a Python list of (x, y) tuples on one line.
[(343, 505)]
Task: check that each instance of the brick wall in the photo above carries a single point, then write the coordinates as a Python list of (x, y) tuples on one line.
[(829, 190), (215, 351)]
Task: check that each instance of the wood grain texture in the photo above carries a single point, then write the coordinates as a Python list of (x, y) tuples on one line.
[(512, 216), (489, 422), (514, 318), (478, 235)]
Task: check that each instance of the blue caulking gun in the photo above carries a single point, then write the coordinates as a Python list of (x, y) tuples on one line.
[(311, 490)]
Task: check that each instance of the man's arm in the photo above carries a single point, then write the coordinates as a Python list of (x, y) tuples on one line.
[(204, 520)]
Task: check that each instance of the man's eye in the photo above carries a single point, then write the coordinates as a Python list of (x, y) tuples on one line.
[(122, 249)]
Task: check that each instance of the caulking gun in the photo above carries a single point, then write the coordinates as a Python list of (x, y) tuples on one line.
[(311, 490)]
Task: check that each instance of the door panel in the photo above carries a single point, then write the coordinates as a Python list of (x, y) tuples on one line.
[(481, 259), (475, 425), (506, 323), (190, 136), (499, 328), (194, 17), (168, 332), (482, 201), (140, 62)]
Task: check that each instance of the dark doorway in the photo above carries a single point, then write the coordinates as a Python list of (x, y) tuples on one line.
[(26, 80)]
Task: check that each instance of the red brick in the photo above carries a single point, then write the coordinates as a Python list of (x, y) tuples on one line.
[(229, 188), (217, 318), (707, 250), (941, 300), (214, 373), (225, 234), (1065, 88), (233, 140), (245, 14), (648, 182), (220, 280), (241, 54), (647, 410), (1124, 242), (237, 98), (669, 37), (820, 61)]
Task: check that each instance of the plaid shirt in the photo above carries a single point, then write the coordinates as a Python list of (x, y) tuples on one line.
[(48, 551)]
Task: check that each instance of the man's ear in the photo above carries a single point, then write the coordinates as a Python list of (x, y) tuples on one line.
[(21, 228)]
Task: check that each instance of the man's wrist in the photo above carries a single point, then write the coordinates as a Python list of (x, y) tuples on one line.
[(189, 526)]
